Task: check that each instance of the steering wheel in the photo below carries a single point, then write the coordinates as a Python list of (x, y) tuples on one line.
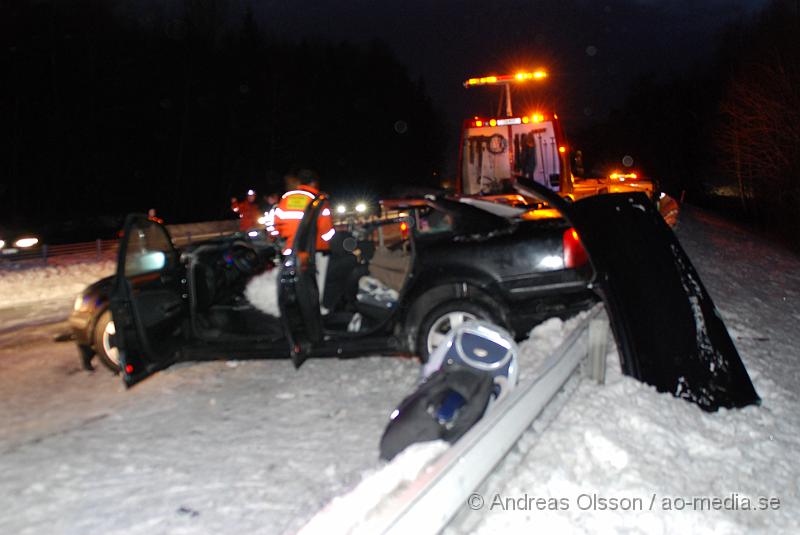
[(245, 259)]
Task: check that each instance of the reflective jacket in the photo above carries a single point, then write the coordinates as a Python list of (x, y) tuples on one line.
[(290, 211)]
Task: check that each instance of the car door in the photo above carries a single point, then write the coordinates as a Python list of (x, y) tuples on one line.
[(298, 294), (149, 301)]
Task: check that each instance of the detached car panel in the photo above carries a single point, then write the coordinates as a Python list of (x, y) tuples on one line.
[(668, 331)]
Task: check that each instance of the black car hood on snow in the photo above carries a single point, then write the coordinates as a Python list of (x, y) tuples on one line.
[(668, 331)]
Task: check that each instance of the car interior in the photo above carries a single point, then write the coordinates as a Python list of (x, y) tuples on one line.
[(218, 273), (360, 281), (364, 276)]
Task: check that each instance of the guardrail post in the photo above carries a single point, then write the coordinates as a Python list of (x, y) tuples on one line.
[(598, 347)]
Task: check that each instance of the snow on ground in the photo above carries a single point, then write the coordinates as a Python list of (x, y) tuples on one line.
[(242, 447), (218, 447), (624, 441), (32, 283), (32, 293)]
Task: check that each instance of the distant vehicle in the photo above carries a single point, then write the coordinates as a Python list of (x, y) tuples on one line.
[(415, 277), (15, 241)]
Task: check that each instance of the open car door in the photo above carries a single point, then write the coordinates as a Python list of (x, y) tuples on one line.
[(668, 331), (148, 301), (298, 294)]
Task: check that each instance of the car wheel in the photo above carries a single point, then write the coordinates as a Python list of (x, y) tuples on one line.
[(106, 350), (441, 320)]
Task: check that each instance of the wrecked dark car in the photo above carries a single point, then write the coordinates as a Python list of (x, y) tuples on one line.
[(403, 283)]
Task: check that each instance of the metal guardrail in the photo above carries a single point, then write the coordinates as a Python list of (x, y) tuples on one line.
[(428, 503)]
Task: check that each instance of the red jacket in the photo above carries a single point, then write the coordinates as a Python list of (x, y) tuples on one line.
[(249, 213)]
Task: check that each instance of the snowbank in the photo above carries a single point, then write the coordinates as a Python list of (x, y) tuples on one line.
[(339, 515), (624, 445), (46, 283), (621, 457)]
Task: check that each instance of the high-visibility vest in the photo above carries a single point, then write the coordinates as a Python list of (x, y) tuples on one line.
[(289, 213)]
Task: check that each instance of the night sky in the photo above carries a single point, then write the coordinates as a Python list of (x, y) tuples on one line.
[(594, 52), (593, 49)]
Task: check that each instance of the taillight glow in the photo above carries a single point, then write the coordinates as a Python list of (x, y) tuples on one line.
[(574, 253), (562, 149), (128, 369), (404, 230)]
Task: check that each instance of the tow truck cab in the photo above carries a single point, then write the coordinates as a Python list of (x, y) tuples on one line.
[(494, 151)]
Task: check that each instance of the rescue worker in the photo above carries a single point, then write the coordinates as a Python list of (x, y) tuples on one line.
[(151, 215), (247, 210), (291, 207)]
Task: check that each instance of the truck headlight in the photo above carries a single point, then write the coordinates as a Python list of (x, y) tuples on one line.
[(78, 303), (2, 244)]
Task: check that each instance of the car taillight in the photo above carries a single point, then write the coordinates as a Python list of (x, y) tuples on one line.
[(574, 253), (404, 230)]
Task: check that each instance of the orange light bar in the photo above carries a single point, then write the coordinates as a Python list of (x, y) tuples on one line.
[(525, 119), (486, 80), (539, 74), (622, 176)]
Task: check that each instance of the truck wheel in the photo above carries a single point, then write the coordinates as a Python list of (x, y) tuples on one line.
[(106, 350), (441, 320)]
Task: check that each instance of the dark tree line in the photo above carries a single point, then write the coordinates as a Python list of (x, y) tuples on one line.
[(727, 132), (105, 113)]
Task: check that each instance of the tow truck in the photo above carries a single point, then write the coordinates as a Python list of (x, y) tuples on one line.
[(494, 151)]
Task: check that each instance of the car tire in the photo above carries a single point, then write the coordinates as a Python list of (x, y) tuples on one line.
[(107, 353), (436, 325)]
